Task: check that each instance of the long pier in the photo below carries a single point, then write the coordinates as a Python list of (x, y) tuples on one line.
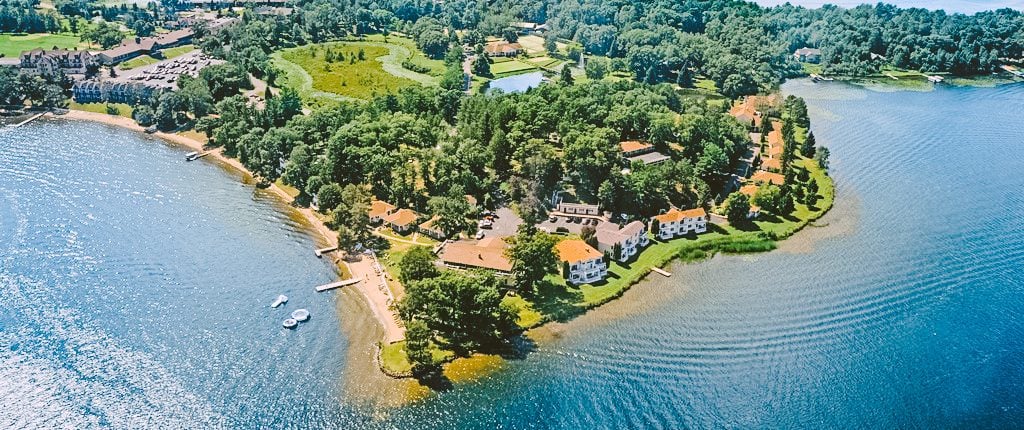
[(192, 156), (32, 118), (338, 284), (320, 252)]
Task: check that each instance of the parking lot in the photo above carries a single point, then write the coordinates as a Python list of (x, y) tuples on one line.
[(506, 223), (563, 224)]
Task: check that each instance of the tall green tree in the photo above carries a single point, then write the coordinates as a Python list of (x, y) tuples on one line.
[(533, 256)]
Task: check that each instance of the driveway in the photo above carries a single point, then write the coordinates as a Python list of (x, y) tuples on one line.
[(506, 223)]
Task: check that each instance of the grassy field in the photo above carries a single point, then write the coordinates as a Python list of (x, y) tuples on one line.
[(142, 60), (177, 51), (122, 109), (12, 45), (410, 52), (534, 45), (509, 68), (380, 72)]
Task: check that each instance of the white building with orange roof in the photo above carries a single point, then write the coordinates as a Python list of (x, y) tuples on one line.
[(402, 220), (621, 242), (581, 263), (675, 223), (379, 210)]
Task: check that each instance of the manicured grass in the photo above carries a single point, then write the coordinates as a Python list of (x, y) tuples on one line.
[(393, 359), (142, 60), (511, 68), (177, 51), (14, 45), (122, 109)]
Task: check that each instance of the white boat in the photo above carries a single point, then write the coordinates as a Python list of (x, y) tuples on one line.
[(282, 299), (290, 323), (300, 315), (191, 156)]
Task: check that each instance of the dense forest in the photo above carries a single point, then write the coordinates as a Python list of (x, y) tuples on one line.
[(741, 46)]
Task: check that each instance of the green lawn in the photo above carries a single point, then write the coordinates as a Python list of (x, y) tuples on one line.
[(509, 68), (380, 72), (142, 60), (177, 51), (393, 359), (13, 46), (122, 109)]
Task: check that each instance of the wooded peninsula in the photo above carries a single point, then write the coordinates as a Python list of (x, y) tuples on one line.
[(657, 133)]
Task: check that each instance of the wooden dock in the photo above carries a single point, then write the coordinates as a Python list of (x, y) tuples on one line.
[(30, 119), (338, 284), (661, 272), (320, 252), (192, 156)]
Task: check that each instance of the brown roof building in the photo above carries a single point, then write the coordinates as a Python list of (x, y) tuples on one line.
[(488, 253)]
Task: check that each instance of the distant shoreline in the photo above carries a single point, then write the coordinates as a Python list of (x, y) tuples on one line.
[(376, 299)]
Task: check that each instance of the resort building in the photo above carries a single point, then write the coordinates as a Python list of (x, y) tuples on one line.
[(633, 150), (145, 46), (380, 209), (750, 111), (127, 50), (141, 84), (773, 165), (402, 220), (43, 62), (622, 243), (430, 229), (503, 49), (581, 263), (578, 209), (488, 253), (677, 222), (768, 177), (807, 55)]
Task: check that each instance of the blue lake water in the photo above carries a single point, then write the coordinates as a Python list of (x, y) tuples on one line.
[(517, 83), (134, 293)]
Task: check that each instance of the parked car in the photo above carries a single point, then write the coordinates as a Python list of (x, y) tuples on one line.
[(552, 218), (479, 234)]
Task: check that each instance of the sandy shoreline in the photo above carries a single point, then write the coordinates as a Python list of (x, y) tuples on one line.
[(371, 288)]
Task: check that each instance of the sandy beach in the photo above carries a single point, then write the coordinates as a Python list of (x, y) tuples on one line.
[(372, 287)]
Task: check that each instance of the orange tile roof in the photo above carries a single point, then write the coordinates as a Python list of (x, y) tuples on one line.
[(676, 215), (771, 163), (488, 253), (402, 217), (749, 190), (379, 208), (575, 251), (634, 145), (772, 178)]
